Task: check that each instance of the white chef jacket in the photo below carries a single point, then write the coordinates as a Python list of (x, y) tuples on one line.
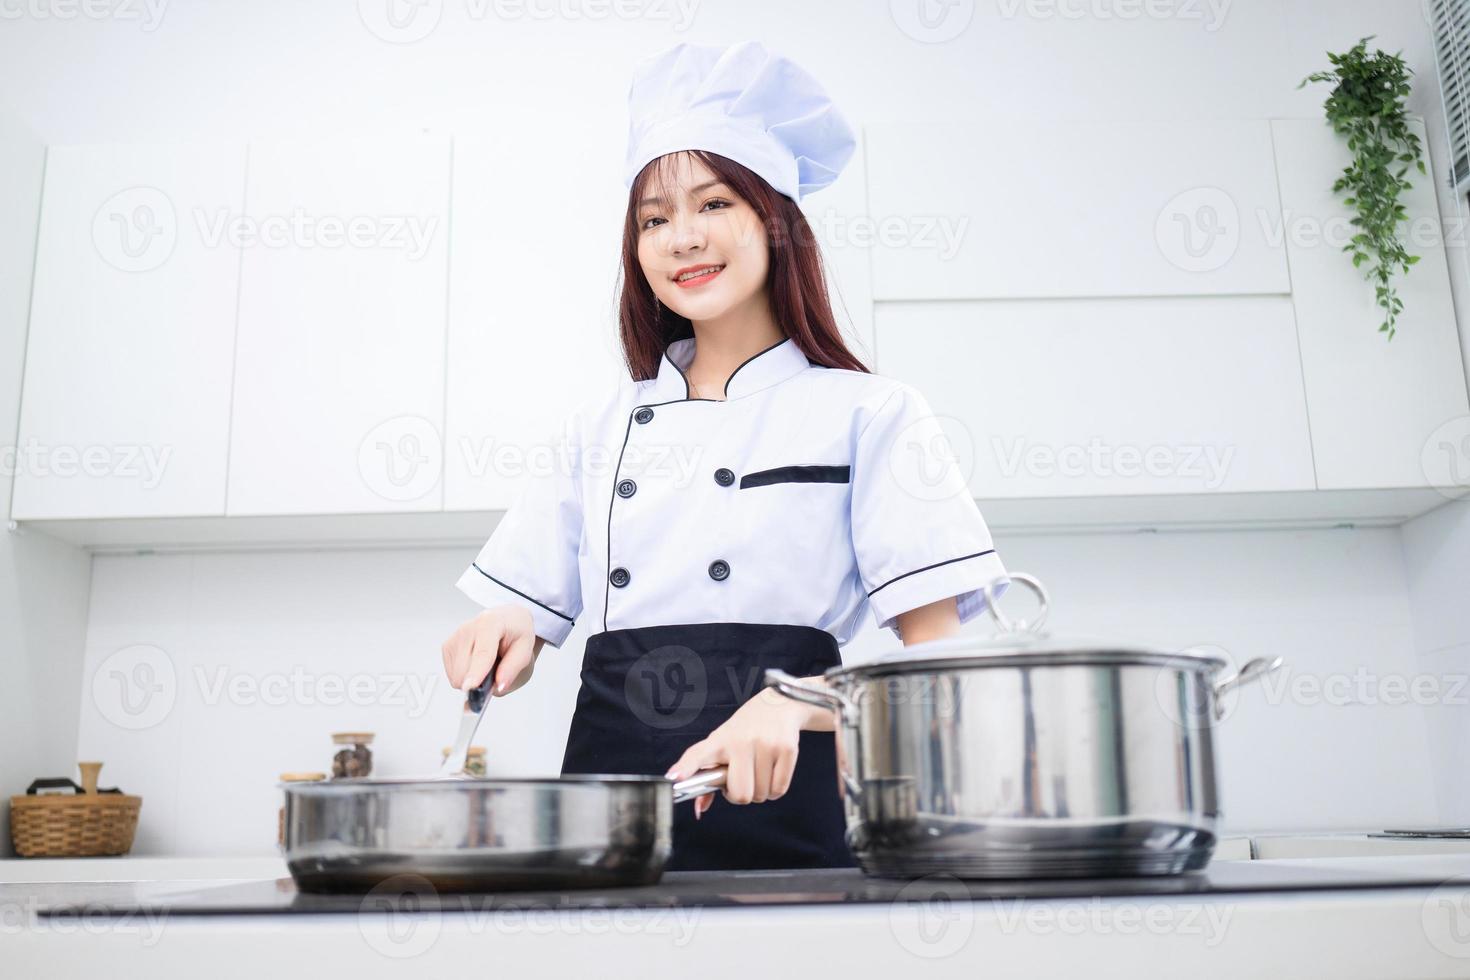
[(806, 496)]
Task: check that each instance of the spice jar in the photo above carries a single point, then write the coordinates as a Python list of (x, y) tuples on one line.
[(353, 758), (293, 777), (474, 764)]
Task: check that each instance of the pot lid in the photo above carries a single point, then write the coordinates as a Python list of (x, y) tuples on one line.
[(1024, 644), (1030, 649)]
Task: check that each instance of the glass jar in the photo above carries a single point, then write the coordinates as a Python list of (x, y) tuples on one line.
[(353, 759), (474, 760)]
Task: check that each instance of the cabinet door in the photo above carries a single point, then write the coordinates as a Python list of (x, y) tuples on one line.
[(1376, 405), (1038, 209), (339, 379), (537, 239), (126, 399), (1118, 397)]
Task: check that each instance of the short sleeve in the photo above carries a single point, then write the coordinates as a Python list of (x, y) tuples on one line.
[(530, 559), (916, 530)]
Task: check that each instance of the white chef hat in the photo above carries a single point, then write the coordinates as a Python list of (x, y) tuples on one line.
[(743, 102)]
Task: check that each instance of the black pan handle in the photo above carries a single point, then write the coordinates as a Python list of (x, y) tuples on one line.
[(61, 783)]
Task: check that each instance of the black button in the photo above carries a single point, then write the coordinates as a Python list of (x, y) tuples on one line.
[(626, 488), (619, 577), (719, 570), (643, 415), (724, 477)]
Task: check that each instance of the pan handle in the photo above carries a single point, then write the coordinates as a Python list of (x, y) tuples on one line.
[(822, 697), (1252, 671), (700, 784)]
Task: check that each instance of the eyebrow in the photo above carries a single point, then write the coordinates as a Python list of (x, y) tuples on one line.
[(692, 191)]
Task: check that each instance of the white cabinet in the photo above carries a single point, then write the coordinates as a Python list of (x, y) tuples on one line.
[(1047, 209), (532, 310), (1102, 398), (1378, 407), (339, 365), (126, 397)]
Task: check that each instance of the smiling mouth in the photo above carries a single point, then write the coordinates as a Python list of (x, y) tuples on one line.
[(699, 277)]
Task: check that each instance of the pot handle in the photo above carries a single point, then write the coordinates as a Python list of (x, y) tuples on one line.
[(822, 697), (1253, 670), (700, 784), (1020, 625)]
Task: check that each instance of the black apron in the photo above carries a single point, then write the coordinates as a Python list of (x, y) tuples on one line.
[(648, 694)]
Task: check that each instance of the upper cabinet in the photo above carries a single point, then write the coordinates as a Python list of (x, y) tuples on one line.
[(1378, 407), (532, 312), (1120, 324), (126, 398), (1109, 398), (339, 364), (1036, 210)]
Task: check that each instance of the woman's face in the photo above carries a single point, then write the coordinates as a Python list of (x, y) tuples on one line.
[(706, 225)]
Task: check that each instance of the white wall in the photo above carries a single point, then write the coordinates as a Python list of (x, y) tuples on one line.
[(1330, 601), (43, 583)]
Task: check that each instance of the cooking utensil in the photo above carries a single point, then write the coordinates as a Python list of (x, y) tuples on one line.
[(463, 833), (1028, 755), (475, 700)]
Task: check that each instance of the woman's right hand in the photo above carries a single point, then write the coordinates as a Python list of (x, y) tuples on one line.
[(503, 637)]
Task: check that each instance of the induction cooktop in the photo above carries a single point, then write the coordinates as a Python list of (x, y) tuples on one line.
[(731, 889)]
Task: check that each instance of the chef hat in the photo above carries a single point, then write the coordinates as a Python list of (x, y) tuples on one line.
[(742, 102)]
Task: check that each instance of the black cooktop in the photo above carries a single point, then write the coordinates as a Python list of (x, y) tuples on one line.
[(732, 889)]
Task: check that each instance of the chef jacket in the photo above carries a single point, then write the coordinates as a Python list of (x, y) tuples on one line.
[(807, 496)]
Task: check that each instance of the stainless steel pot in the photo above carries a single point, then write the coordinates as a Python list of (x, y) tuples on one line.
[(351, 835), (1028, 755)]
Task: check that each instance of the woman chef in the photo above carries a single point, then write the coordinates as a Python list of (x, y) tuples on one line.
[(746, 496)]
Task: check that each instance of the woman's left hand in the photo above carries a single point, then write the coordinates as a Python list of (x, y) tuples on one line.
[(757, 745)]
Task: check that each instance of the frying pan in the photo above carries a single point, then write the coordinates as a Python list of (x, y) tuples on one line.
[(462, 833)]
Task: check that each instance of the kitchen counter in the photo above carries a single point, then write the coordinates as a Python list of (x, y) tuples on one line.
[(928, 925)]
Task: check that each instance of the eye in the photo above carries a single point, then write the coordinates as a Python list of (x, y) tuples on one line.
[(719, 201), (644, 226)]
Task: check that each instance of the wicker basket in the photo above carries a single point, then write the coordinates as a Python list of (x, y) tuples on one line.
[(86, 823)]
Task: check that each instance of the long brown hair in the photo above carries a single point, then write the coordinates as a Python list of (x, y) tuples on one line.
[(795, 283)]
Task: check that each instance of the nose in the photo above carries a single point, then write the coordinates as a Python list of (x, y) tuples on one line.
[(688, 234)]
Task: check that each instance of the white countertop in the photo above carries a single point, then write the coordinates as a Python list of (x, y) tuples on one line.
[(1408, 932)]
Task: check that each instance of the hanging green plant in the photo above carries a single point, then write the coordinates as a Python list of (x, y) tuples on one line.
[(1367, 106)]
